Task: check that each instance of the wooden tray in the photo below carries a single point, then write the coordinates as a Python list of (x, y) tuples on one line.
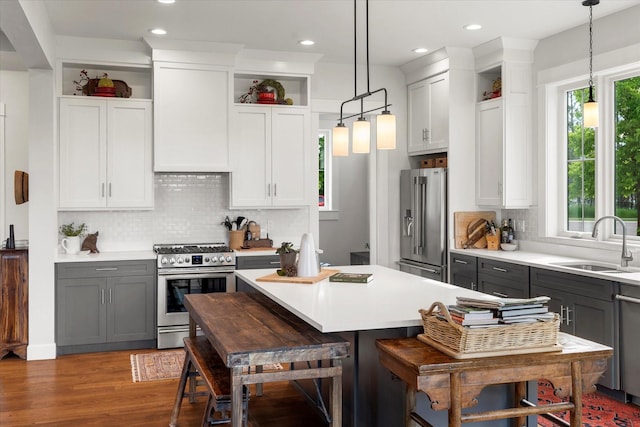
[(449, 352), (324, 273)]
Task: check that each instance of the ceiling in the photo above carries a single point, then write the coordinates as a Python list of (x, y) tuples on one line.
[(395, 26)]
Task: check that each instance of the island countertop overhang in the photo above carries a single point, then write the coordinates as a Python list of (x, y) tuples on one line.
[(391, 300)]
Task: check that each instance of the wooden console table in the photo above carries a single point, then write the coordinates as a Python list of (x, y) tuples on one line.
[(454, 384), (249, 329), (14, 305)]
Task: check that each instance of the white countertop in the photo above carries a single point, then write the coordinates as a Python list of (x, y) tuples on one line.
[(107, 256), (391, 300), (536, 259)]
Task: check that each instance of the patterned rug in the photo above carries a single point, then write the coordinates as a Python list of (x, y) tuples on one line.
[(165, 365), (598, 410)]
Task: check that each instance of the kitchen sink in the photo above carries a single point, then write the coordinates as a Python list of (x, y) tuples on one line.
[(591, 266)]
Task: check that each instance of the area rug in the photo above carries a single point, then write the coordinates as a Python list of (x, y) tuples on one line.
[(598, 410), (165, 365)]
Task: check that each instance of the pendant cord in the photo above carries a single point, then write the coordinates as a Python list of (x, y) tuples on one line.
[(355, 50), (367, 33), (590, 46)]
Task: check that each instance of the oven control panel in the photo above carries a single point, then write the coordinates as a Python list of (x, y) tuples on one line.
[(200, 260)]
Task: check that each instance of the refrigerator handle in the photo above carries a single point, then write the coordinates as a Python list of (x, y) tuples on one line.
[(408, 225), (415, 202), (421, 233)]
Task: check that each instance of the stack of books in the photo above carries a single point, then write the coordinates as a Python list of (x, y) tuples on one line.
[(472, 317), (511, 310)]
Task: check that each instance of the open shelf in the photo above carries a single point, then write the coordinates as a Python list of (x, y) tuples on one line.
[(138, 78), (295, 87), (486, 79)]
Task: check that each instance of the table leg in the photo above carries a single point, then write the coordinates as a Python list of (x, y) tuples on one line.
[(259, 386), (192, 327), (455, 407), (236, 396), (575, 415), (520, 393), (409, 405)]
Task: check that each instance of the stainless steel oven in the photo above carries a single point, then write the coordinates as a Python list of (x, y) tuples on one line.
[(184, 270)]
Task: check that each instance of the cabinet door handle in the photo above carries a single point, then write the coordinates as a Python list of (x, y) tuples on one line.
[(269, 190), (628, 299), (459, 261), (473, 286), (110, 296), (109, 190), (102, 296), (502, 270), (501, 295), (568, 319), (107, 269), (275, 190), (102, 190)]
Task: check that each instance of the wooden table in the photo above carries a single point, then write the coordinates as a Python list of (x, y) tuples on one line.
[(249, 329), (454, 384)]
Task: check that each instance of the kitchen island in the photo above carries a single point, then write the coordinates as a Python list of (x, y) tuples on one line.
[(386, 307)]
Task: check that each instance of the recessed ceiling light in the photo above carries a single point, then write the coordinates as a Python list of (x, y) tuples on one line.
[(420, 50), (158, 31), (307, 42), (472, 27), (166, 1)]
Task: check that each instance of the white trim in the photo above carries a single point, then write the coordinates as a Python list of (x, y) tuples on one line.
[(3, 177)]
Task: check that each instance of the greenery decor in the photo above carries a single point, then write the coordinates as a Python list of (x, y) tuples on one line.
[(286, 248), (71, 230)]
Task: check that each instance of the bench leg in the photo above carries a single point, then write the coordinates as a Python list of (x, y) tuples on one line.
[(186, 367), (336, 396), (207, 411), (575, 415), (236, 396)]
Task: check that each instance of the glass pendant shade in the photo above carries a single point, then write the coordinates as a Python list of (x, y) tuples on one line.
[(361, 136), (590, 114), (340, 141), (386, 131)]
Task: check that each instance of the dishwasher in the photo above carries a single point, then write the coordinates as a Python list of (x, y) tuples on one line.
[(629, 300)]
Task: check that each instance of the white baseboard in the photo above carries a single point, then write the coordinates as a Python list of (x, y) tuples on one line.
[(41, 351)]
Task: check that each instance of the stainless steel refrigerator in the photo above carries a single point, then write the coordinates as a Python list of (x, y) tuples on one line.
[(423, 218)]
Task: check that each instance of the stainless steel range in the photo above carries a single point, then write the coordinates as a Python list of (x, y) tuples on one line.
[(188, 269)]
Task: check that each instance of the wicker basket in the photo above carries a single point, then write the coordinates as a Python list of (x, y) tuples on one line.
[(506, 337)]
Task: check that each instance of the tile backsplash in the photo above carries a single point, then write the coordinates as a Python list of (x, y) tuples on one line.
[(189, 208)]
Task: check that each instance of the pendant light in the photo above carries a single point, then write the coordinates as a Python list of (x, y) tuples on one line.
[(385, 122), (590, 108)]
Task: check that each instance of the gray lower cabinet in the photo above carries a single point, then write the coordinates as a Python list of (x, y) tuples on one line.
[(629, 300), (105, 306), (586, 308), (463, 271), (503, 279)]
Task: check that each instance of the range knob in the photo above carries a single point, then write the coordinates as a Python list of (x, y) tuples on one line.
[(187, 260), (214, 259), (180, 260), (172, 260), (164, 260), (206, 259), (228, 259)]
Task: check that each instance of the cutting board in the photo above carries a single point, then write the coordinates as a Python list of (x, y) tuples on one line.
[(324, 273), (461, 221)]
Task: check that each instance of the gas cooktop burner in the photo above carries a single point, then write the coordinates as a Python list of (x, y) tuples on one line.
[(191, 249), (195, 255)]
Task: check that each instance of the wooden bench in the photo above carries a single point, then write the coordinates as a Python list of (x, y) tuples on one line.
[(202, 361)]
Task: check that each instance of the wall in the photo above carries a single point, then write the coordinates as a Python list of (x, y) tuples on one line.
[(14, 87), (189, 208)]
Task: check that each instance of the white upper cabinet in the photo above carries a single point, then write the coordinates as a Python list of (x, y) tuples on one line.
[(503, 124), (191, 117), (270, 156), (428, 115), (105, 153)]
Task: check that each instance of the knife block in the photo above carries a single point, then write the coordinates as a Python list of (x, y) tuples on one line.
[(493, 242)]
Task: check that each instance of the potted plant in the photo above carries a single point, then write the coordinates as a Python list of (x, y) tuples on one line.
[(72, 234), (287, 254)]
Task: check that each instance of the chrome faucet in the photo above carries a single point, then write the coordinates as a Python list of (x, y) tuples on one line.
[(626, 254)]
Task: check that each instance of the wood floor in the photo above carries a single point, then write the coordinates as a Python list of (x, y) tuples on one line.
[(96, 389)]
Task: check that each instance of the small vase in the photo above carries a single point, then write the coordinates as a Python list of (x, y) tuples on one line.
[(71, 244), (287, 259)]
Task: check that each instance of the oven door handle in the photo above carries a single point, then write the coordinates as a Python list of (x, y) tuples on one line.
[(191, 276)]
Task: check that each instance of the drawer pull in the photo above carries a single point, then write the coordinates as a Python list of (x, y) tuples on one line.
[(459, 261), (107, 269), (502, 270), (501, 295), (628, 299)]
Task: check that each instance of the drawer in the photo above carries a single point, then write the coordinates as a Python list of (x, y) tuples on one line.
[(574, 283), (503, 269), (464, 263), (257, 262), (77, 270)]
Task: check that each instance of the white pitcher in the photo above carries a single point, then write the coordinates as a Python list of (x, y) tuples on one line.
[(71, 244), (308, 258)]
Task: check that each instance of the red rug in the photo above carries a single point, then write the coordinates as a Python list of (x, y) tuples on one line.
[(598, 410)]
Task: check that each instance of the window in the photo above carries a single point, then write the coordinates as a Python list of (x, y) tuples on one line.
[(324, 170), (602, 167)]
